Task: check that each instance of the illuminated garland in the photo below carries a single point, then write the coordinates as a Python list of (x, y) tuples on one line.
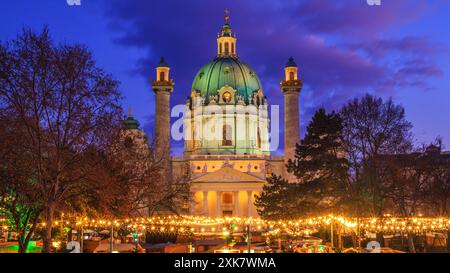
[(210, 226)]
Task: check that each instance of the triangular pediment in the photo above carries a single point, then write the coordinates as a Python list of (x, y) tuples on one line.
[(228, 175)]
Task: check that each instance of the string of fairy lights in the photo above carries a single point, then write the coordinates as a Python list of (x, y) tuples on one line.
[(199, 225)]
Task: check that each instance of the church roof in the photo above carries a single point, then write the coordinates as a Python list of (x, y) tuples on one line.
[(291, 63), (130, 123), (226, 71), (162, 63), (228, 175)]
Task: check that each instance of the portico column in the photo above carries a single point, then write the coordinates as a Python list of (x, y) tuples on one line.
[(205, 203), (219, 197), (192, 204), (249, 203), (236, 203)]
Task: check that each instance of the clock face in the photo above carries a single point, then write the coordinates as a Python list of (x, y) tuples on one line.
[(226, 97)]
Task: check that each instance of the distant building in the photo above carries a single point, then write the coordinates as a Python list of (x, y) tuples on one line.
[(431, 157), (415, 180)]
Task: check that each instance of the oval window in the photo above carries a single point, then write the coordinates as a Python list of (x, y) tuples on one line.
[(226, 97)]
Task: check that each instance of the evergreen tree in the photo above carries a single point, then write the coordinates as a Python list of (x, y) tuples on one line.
[(274, 202), (320, 164), (280, 200), (321, 170)]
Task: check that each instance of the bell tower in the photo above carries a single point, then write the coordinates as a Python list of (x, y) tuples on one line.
[(291, 86), (163, 87)]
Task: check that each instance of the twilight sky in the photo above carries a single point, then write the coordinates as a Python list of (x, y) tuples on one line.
[(344, 49)]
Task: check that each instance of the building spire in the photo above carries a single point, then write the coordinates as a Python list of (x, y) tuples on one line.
[(227, 16), (130, 112), (226, 42)]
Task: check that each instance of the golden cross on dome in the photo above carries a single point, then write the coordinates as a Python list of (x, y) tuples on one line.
[(227, 16)]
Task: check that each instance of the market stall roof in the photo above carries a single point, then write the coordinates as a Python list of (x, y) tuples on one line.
[(105, 248)]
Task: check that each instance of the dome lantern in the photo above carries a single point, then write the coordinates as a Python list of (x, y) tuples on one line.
[(226, 42), (162, 71), (291, 70)]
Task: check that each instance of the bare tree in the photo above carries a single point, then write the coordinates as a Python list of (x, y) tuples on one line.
[(417, 182), (136, 170), (438, 191), (438, 178), (20, 199), (414, 181), (373, 127), (66, 105), (405, 180)]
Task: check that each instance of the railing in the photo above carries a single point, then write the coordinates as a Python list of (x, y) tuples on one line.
[(228, 156), (227, 144), (162, 83), (292, 83)]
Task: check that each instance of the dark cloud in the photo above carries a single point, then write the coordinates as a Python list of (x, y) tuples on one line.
[(407, 45), (354, 17), (340, 46)]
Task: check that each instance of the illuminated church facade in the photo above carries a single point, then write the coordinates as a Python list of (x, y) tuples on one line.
[(226, 131)]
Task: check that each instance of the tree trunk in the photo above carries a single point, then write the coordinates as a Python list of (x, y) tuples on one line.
[(411, 247), (355, 239), (23, 245), (380, 239), (69, 235), (448, 240), (24, 237), (402, 240), (48, 228), (23, 242), (339, 237)]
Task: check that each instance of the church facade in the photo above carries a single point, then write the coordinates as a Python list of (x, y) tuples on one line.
[(226, 131)]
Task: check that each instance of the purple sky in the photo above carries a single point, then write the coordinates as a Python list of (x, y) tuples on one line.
[(343, 48)]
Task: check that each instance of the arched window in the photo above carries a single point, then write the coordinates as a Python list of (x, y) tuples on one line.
[(227, 48), (227, 135), (220, 48), (232, 48), (291, 76), (162, 76)]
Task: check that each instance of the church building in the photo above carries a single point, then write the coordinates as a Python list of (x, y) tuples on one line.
[(226, 130)]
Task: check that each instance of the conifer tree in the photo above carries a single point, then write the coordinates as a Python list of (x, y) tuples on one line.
[(321, 170), (320, 164)]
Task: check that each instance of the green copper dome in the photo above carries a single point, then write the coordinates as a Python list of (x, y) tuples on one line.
[(131, 124), (226, 71)]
